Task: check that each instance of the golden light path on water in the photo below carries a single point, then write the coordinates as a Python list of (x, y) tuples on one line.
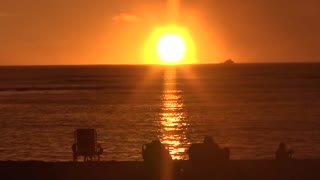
[(173, 118), (174, 125)]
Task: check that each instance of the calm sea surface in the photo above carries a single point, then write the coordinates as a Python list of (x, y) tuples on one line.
[(249, 108)]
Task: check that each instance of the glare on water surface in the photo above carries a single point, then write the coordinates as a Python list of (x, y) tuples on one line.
[(173, 123)]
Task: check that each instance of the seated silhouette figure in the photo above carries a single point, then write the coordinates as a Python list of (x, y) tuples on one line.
[(157, 159), (283, 153), (207, 154)]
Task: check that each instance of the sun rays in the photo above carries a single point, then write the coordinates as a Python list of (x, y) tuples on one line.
[(170, 45)]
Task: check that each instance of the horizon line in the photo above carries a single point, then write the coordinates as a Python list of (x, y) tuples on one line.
[(140, 64)]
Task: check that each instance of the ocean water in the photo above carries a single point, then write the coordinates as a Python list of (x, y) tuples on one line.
[(249, 108)]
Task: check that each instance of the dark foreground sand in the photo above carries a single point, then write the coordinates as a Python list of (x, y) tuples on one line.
[(235, 169)]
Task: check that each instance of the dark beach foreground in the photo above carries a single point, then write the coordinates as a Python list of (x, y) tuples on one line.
[(235, 169)]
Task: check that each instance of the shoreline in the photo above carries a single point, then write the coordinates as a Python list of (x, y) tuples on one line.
[(235, 169)]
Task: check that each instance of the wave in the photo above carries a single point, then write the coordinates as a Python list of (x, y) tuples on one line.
[(62, 88), (111, 88)]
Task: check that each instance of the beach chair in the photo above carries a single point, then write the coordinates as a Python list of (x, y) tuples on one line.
[(86, 145)]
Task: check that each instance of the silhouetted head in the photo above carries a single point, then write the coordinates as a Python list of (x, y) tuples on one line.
[(156, 142), (208, 140), (282, 145)]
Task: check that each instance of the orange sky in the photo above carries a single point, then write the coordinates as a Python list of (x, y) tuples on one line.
[(115, 31)]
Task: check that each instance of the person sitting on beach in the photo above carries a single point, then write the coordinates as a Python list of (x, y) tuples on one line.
[(156, 157), (208, 151), (283, 153), (210, 143), (215, 150), (155, 151)]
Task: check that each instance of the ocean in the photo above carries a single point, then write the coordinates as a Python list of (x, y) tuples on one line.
[(249, 108)]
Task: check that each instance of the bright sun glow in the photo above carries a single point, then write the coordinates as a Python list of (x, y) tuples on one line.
[(171, 48), (170, 45)]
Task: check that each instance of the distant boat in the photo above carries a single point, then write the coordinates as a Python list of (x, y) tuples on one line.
[(228, 62)]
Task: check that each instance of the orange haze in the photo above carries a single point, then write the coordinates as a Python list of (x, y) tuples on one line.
[(116, 31)]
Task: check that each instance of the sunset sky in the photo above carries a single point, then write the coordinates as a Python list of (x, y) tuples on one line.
[(46, 32)]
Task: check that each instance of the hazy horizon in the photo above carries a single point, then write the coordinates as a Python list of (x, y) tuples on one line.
[(165, 65), (116, 32)]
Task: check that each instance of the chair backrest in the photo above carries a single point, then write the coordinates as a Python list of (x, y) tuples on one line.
[(86, 140)]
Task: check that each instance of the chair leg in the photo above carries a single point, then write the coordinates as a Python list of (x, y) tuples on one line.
[(74, 157)]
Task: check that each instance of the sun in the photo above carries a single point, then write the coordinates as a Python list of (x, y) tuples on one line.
[(171, 48), (170, 45)]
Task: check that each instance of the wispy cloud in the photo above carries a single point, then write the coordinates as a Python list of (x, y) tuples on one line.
[(3, 15), (126, 17), (7, 14)]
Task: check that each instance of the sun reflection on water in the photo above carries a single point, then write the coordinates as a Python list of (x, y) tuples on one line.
[(173, 118)]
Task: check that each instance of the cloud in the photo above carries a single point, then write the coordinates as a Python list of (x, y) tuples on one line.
[(125, 17), (4, 14), (7, 15)]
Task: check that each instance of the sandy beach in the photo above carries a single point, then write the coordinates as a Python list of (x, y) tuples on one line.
[(235, 169)]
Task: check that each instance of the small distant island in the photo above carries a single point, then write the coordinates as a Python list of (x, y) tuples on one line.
[(228, 61)]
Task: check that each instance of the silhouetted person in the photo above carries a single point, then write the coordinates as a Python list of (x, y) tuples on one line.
[(213, 149), (207, 157), (283, 153), (157, 159), (210, 143)]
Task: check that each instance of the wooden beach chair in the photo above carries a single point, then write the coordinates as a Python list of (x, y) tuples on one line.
[(86, 145)]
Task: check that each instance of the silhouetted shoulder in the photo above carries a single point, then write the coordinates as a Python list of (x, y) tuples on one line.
[(228, 62)]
